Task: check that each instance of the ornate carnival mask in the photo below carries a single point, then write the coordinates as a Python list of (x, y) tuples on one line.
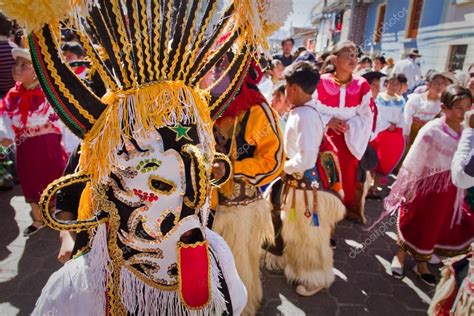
[(147, 146)]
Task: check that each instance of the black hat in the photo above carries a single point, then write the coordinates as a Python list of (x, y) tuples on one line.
[(369, 74)]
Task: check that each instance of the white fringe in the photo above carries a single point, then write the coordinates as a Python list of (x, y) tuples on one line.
[(94, 278), (141, 299)]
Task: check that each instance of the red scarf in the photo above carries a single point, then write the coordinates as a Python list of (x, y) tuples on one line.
[(23, 101)]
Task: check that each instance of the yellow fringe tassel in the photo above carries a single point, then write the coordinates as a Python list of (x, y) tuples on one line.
[(252, 18), (139, 110), (85, 210), (34, 15)]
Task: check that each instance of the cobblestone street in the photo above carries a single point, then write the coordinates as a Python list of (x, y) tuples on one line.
[(363, 285)]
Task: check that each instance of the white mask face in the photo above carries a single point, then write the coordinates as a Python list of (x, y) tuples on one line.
[(152, 181)]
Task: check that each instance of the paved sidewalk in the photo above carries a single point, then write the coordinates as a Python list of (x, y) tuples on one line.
[(362, 259), (363, 284)]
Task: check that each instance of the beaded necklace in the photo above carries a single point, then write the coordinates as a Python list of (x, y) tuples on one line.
[(341, 83)]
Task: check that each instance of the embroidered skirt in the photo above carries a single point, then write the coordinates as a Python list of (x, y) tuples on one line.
[(424, 226)]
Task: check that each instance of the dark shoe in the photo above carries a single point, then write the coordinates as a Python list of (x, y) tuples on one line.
[(373, 196), (427, 278), (351, 216), (31, 230), (333, 243), (6, 182), (397, 268)]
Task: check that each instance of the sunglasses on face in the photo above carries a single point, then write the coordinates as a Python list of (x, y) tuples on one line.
[(348, 55)]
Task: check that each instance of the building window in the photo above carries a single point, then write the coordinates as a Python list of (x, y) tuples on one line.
[(379, 28), (415, 18), (457, 56)]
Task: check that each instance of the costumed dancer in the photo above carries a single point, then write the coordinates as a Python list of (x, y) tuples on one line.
[(248, 133), (344, 103), (40, 155), (147, 151), (388, 140), (309, 213), (423, 190)]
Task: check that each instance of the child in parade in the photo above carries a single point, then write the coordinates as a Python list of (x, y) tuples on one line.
[(40, 155), (388, 140), (433, 214), (309, 214), (280, 105)]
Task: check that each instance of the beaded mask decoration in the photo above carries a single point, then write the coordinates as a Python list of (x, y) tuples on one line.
[(147, 145)]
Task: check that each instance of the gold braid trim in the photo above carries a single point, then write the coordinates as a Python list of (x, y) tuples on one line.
[(177, 55), (164, 68), (156, 39), (146, 40), (95, 62), (115, 48), (126, 44), (101, 202), (138, 42), (180, 74), (58, 80), (233, 82), (223, 158), (50, 192), (200, 193), (204, 244), (191, 55), (231, 65)]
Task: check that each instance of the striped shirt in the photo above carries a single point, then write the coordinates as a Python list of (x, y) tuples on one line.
[(6, 65)]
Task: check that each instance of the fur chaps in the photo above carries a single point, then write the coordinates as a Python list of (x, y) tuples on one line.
[(245, 229), (307, 254)]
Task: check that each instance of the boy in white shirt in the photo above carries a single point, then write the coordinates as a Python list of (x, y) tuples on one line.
[(308, 214)]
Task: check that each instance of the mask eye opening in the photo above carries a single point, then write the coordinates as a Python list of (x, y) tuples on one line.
[(161, 185)]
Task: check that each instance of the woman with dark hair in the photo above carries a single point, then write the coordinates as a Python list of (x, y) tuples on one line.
[(344, 103), (433, 214), (379, 63)]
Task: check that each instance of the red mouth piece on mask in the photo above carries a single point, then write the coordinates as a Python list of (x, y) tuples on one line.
[(194, 274)]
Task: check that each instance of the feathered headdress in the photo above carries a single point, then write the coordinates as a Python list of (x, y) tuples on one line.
[(152, 56)]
